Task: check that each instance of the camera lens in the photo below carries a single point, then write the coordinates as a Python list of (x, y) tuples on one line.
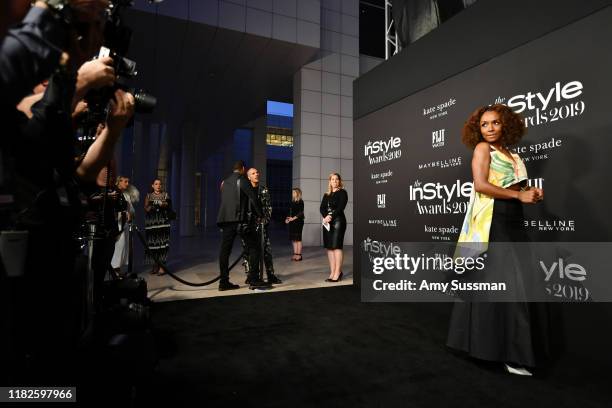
[(145, 103)]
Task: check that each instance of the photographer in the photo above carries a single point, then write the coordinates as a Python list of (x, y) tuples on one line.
[(47, 191), (32, 50), (47, 206)]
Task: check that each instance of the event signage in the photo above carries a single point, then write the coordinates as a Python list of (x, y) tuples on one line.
[(413, 148)]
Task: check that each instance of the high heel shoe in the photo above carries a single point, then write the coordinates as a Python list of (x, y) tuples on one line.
[(517, 370), (339, 278), (299, 257)]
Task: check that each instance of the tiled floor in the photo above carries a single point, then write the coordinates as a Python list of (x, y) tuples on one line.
[(195, 259)]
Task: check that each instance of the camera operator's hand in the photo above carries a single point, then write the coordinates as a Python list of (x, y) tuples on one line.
[(26, 104), (101, 151), (80, 108), (121, 110), (95, 74)]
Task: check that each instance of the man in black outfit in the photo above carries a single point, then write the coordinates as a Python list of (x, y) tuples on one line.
[(237, 197)]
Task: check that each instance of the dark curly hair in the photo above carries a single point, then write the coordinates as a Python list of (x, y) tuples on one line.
[(513, 126)]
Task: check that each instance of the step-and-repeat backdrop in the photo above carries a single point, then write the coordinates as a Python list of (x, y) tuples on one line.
[(414, 175)]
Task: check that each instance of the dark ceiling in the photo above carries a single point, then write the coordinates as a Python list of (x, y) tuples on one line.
[(215, 78)]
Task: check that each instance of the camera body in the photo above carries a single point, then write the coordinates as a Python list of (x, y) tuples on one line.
[(117, 38), (125, 69)]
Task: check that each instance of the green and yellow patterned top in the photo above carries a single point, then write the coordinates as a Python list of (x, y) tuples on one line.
[(503, 173)]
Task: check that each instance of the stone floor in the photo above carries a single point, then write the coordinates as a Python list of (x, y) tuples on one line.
[(195, 259)]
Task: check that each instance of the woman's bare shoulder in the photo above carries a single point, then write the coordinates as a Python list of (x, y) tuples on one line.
[(482, 147)]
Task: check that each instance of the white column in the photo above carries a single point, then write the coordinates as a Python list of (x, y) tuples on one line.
[(323, 115)]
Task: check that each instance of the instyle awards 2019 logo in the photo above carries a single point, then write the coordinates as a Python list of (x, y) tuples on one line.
[(378, 248), (565, 280), (548, 106), (438, 198), (383, 150)]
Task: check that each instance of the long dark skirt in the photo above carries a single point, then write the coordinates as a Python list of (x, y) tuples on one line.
[(157, 231), (512, 332)]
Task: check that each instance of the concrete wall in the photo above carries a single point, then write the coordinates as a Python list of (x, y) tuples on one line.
[(295, 21), (323, 114)]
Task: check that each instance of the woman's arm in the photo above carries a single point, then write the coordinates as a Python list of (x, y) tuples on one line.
[(480, 171), (147, 204), (323, 207), (300, 213), (342, 200)]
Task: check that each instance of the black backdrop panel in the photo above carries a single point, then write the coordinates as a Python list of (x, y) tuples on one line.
[(572, 161), (486, 29), (414, 173)]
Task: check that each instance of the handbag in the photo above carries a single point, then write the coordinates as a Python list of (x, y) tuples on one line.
[(171, 214)]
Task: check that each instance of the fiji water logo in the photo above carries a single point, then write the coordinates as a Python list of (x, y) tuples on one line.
[(437, 138)]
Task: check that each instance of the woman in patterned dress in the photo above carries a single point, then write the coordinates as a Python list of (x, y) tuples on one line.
[(158, 207), (511, 333)]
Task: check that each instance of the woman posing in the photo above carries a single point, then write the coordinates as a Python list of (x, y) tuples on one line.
[(295, 220), (158, 208), (334, 225), (503, 332)]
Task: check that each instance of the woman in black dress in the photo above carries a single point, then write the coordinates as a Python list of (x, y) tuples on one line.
[(158, 208), (511, 333), (334, 225), (296, 223)]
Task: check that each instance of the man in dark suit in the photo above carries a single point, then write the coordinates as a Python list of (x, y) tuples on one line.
[(237, 197)]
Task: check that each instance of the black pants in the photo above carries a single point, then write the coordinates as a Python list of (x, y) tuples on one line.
[(229, 231), (267, 251)]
